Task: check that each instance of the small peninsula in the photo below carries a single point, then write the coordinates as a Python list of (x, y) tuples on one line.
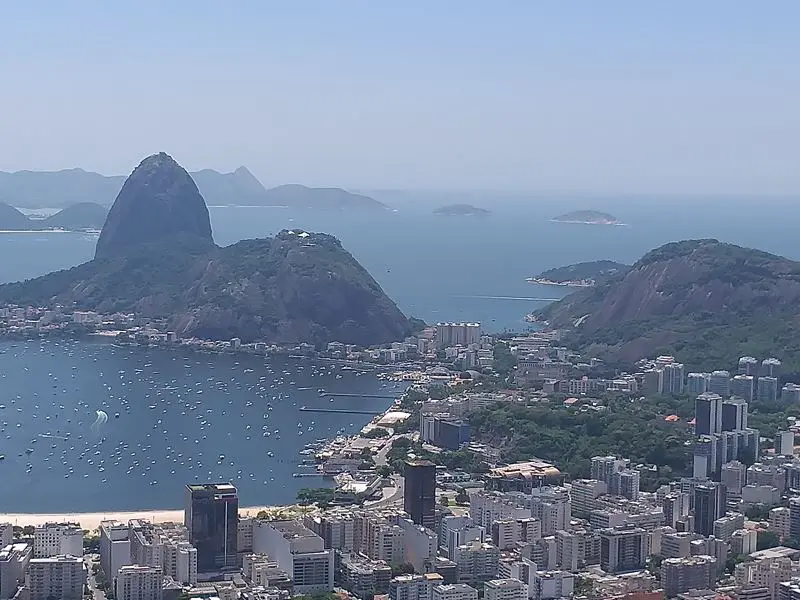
[(84, 216), (587, 217), (462, 210), (583, 274)]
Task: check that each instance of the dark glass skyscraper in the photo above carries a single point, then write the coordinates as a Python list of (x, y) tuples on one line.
[(211, 514), (709, 505), (419, 496)]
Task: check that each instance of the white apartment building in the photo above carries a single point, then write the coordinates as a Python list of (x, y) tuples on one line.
[(477, 561), (505, 589), (485, 508), (6, 534), (139, 582), (551, 505), (454, 591), (52, 539), (298, 551), (166, 546), (14, 559), (115, 548), (59, 577), (413, 587), (546, 585)]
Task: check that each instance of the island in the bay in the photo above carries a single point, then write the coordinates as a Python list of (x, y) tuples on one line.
[(583, 274), (156, 258), (55, 189), (587, 217), (83, 216), (462, 210)]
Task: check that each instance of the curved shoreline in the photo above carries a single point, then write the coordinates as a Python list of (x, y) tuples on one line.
[(91, 521)]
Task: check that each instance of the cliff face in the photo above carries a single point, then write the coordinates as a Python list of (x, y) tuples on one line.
[(697, 295), (156, 257), (159, 200)]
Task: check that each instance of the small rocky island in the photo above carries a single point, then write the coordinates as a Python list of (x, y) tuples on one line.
[(84, 216), (584, 274), (461, 210), (587, 217)]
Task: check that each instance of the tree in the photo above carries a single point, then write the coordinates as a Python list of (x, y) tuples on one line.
[(767, 539), (757, 512), (262, 514), (322, 497), (444, 500), (384, 470), (28, 530), (462, 497), (377, 432)]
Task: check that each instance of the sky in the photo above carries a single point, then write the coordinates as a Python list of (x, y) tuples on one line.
[(606, 97)]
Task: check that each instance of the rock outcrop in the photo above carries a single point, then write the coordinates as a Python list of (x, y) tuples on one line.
[(155, 257), (158, 201)]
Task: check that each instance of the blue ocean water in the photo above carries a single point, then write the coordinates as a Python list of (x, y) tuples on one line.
[(454, 268), (435, 268), (170, 418)]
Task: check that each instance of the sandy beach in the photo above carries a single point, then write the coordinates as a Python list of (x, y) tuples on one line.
[(91, 521)]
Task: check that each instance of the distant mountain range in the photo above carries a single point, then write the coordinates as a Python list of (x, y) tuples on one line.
[(81, 216), (56, 189)]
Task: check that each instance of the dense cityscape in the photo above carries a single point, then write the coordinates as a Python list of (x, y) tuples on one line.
[(423, 505)]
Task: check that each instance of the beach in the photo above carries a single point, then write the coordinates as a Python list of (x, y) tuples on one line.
[(91, 521)]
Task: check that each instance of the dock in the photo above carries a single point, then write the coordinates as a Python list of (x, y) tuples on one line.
[(380, 396), (347, 411)]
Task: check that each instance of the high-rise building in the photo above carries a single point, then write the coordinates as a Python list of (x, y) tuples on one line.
[(419, 494), (743, 386), (115, 548), (551, 505), (61, 577), (708, 413), (505, 589), (211, 514), (139, 582), (767, 388), (748, 366), (720, 383), (771, 367), (784, 443), (14, 559), (298, 551), (623, 549), (780, 521), (454, 591), (734, 477), (676, 507), (457, 334), (653, 381), (52, 539), (790, 393), (545, 585), (709, 505), (604, 467), (673, 378), (584, 494), (680, 575), (626, 484), (697, 383), (734, 414), (794, 518), (6, 534)]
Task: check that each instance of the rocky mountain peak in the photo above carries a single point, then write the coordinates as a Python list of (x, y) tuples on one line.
[(158, 201)]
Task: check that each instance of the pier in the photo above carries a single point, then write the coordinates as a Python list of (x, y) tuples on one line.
[(347, 411), (380, 396)]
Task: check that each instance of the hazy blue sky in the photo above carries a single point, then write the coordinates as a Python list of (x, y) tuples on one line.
[(679, 96)]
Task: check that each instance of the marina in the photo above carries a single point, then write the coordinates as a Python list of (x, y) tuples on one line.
[(78, 415)]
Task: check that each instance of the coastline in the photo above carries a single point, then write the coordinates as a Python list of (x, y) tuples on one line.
[(91, 521), (609, 223)]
